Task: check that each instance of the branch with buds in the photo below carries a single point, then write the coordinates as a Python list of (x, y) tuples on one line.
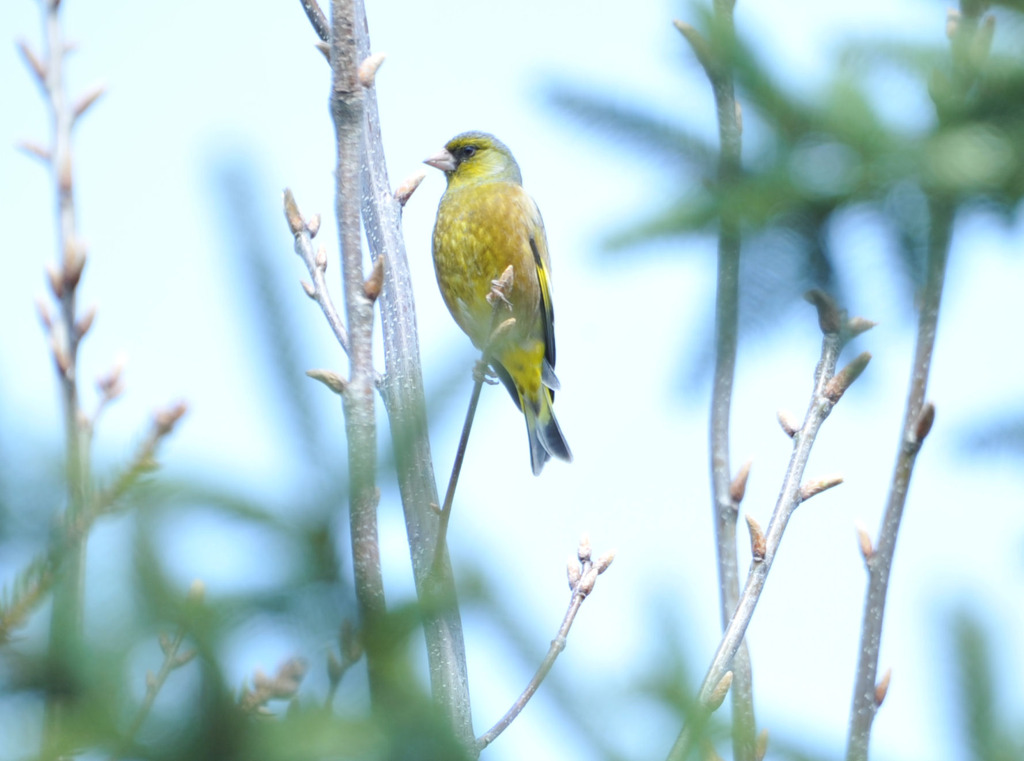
[(582, 571), (829, 387), (284, 685), (174, 659), (31, 586)]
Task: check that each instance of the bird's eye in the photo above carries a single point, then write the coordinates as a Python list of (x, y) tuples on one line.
[(467, 152)]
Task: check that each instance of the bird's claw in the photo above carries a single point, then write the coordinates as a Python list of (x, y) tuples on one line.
[(482, 373)]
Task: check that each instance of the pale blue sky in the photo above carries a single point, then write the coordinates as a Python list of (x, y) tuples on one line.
[(205, 84)]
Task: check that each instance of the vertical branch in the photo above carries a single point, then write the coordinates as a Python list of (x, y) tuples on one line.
[(952, 94), (917, 421), (829, 387), (358, 401), (65, 334), (405, 402), (725, 507)]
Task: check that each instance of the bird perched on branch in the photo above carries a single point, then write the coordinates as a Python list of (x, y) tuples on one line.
[(491, 261)]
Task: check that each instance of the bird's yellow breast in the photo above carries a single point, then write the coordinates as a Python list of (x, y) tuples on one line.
[(481, 229)]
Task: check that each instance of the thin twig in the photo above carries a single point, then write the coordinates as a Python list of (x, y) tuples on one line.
[(724, 506), (30, 588), (460, 454), (173, 660), (497, 298), (317, 19), (582, 578), (821, 404), (316, 265)]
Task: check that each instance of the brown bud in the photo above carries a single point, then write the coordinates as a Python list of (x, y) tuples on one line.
[(757, 541), (583, 550), (586, 585), (864, 538), (829, 318), (43, 311), (329, 378), (700, 46), (37, 67), (56, 279), (604, 561), (313, 225), (308, 288), (85, 321), (36, 150), (291, 213), (74, 263), (168, 417), (404, 191), (573, 572), (110, 384), (375, 282), (368, 68), (184, 657), (324, 48), (817, 486), (761, 747), (717, 696), (788, 422), (882, 687), (842, 380), (60, 356), (924, 422), (738, 487), (90, 97), (320, 260), (289, 677), (857, 325)]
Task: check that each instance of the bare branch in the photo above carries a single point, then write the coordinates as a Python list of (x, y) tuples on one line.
[(968, 50), (347, 103), (725, 503), (318, 290), (790, 497), (173, 660), (585, 575), (317, 19)]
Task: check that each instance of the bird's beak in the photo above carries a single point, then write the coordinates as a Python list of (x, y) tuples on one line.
[(442, 160)]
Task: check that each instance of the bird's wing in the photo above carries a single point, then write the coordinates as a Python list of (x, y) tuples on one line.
[(539, 246)]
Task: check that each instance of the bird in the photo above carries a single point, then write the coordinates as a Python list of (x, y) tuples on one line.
[(491, 261)]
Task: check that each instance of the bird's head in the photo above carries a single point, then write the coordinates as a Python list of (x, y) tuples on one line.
[(476, 157)]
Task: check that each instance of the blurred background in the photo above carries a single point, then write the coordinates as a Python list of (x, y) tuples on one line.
[(213, 108)]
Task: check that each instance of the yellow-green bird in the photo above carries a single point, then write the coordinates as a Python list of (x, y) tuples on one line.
[(486, 222)]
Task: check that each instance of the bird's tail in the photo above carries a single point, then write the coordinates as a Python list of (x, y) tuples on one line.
[(546, 437)]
